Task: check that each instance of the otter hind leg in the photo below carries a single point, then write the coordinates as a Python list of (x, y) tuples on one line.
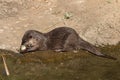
[(71, 43)]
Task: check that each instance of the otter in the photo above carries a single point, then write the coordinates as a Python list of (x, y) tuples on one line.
[(59, 39)]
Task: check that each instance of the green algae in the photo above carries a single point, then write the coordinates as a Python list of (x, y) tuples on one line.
[(49, 65)]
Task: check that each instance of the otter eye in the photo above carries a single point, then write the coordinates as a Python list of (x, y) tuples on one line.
[(30, 36)]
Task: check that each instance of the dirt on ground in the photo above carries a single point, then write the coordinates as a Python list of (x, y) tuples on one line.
[(96, 21)]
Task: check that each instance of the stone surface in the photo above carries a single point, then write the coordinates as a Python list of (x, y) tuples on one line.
[(96, 21)]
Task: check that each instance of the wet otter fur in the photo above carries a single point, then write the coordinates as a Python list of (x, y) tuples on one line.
[(59, 39)]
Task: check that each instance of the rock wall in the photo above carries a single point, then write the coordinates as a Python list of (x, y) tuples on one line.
[(96, 21)]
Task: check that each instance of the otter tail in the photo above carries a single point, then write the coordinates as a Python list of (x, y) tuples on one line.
[(92, 49)]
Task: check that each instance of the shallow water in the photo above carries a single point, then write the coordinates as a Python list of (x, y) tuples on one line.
[(48, 65)]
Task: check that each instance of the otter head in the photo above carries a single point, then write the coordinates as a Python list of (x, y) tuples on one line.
[(32, 41)]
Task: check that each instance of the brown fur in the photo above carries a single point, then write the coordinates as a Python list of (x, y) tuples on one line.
[(59, 39)]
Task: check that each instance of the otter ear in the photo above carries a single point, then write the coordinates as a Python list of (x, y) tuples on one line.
[(37, 39)]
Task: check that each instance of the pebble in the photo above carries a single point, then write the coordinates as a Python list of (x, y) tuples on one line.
[(1, 30)]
